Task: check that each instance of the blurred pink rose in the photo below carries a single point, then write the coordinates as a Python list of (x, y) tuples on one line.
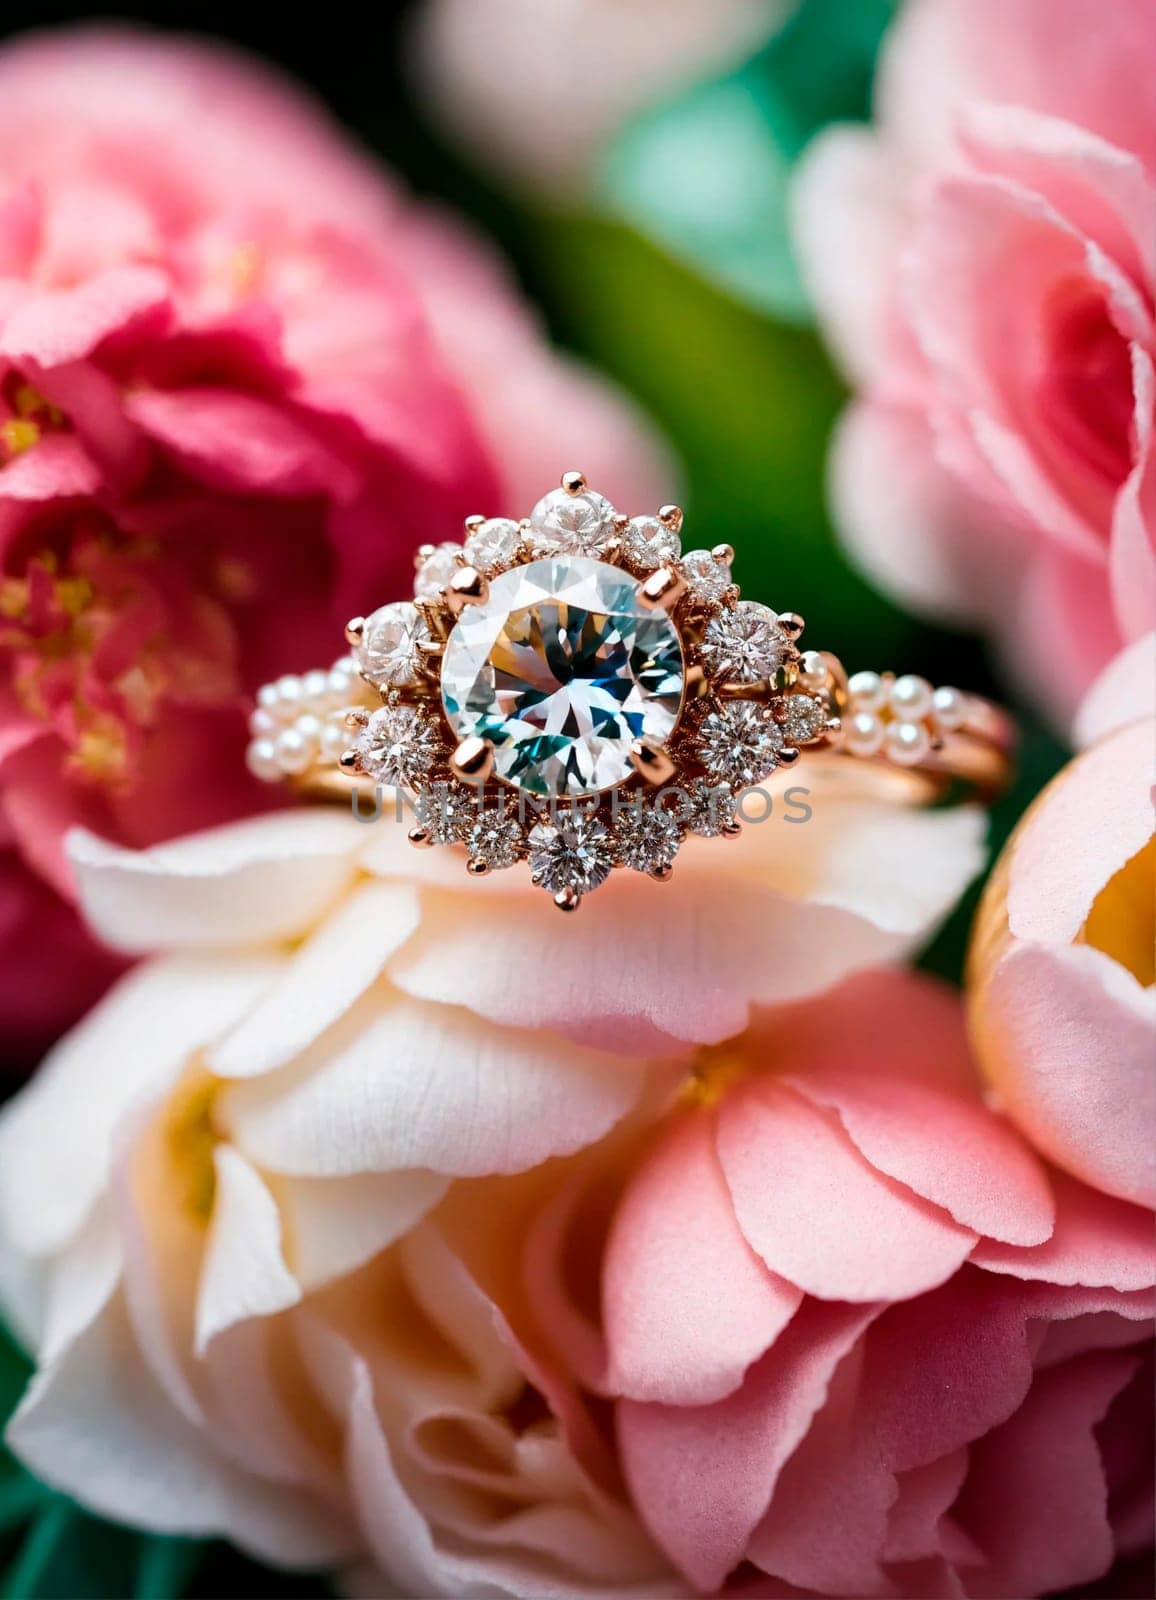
[(866, 1346), (1063, 963), (241, 377), (984, 263)]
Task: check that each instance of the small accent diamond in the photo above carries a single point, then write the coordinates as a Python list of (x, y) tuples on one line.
[(746, 643), (387, 654), (447, 812), (573, 852), (649, 543), (739, 743), (579, 523), (496, 839), (647, 836), (706, 578), (711, 806), (398, 746), (493, 545), (436, 571), (806, 718)]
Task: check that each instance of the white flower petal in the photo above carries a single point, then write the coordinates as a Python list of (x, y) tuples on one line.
[(243, 1273), (55, 1136), (425, 1086), (786, 911), (95, 1426), (334, 1225), (268, 878), (332, 969)]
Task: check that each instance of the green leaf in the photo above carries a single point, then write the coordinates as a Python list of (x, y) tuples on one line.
[(708, 174), (748, 404)]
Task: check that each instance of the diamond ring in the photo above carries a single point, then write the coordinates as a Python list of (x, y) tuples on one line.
[(574, 692)]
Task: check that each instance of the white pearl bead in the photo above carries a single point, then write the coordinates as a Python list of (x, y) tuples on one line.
[(310, 728), (335, 741), (294, 753), (288, 689), (868, 691), (910, 697), (261, 759), (340, 684), (949, 708), (908, 743), (862, 734), (812, 670), (262, 724), (267, 697), (315, 685)]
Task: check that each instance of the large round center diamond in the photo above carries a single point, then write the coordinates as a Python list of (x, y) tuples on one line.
[(561, 668)]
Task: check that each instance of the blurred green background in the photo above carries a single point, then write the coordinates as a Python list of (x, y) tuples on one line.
[(674, 274)]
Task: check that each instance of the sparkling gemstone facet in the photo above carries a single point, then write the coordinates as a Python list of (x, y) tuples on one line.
[(581, 522), (388, 651), (398, 746), (561, 669), (436, 571), (649, 543), (647, 836), (806, 718), (740, 743), (707, 578), (572, 853), (745, 643), (493, 545)]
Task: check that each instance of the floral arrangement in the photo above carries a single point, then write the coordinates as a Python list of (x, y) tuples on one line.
[(781, 1225)]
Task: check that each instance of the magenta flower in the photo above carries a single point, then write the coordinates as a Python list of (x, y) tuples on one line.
[(241, 378)]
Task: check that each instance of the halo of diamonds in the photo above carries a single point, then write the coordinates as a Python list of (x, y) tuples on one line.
[(751, 701)]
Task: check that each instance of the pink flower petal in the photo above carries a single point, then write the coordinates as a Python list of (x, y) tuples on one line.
[(240, 442), (916, 529), (1091, 821), (1132, 554), (925, 1495), (1035, 1497), (847, 215), (65, 325), (1071, 1035), (1124, 692), (1097, 1240), (58, 468), (818, 1213), (703, 1476), (921, 1121), (687, 1305), (835, 1479), (944, 1368)]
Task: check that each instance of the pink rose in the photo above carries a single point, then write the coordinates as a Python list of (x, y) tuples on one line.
[(864, 1344), (241, 378), (984, 263), (1063, 1007)]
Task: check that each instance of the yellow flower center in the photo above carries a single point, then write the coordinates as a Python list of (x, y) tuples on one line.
[(714, 1069), (1122, 922), (191, 1138)]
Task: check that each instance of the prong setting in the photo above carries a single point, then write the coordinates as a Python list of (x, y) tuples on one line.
[(667, 674)]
